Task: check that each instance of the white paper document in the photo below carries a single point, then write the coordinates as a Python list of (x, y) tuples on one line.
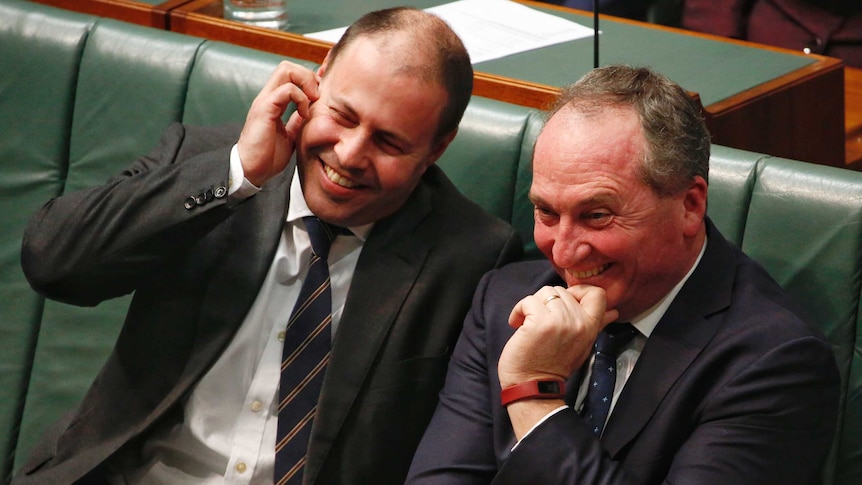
[(491, 29)]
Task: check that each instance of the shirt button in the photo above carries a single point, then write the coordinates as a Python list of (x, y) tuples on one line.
[(241, 467), (281, 336), (256, 406)]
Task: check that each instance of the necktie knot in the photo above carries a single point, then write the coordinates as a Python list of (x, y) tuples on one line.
[(321, 234), (614, 337)]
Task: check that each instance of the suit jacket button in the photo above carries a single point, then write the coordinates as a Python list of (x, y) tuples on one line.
[(200, 199), (190, 203), (220, 192)]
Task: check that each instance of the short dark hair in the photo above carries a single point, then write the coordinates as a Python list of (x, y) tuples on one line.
[(429, 36), (677, 140)]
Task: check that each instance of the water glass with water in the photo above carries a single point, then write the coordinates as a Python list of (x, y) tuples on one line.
[(262, 13)]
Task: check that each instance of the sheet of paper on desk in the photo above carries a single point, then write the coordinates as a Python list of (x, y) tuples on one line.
[(491, 29)]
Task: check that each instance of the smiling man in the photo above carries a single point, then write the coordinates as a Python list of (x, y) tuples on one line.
[(226, 370), (646, 349)]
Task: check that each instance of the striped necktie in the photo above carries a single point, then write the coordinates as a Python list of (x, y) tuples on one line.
[(307, 344), (597, 404)]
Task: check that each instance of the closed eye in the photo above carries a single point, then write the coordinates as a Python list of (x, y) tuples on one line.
[(389, 145), (341, 117)]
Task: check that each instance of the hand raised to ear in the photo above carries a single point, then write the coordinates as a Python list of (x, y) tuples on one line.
[(266, 142)]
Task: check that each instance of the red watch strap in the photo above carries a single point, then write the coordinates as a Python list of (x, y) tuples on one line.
[(541, 389)]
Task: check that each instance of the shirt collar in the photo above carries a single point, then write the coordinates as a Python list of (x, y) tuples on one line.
[(298, 208)]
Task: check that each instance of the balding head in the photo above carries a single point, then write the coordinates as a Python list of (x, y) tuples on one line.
[(423, 45)]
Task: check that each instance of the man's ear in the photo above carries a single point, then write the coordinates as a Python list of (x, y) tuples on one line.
[(323, 65), (694, 202), (440, 147)]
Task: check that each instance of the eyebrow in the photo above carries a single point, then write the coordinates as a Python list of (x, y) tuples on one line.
[(598, 199)]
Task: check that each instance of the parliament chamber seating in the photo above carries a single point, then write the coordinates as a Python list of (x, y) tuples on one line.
[(82, 96)]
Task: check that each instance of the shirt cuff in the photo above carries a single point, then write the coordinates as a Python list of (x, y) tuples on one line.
[(547, 416), (244, 189)]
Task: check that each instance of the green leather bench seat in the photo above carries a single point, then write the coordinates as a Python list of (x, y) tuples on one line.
[(82, 96), (39, 54)]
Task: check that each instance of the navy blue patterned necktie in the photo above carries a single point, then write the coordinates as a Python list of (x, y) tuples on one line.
[(307, 344), (597, 404)]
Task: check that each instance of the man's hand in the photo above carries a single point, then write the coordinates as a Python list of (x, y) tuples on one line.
[(556, 328), (266, 142)]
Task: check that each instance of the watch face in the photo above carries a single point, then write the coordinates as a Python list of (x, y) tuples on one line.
[(548, 387)]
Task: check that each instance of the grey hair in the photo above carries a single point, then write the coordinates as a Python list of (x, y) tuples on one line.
[(677, 140)]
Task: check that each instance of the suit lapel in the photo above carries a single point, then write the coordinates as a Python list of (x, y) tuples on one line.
[(388, 267), (677, 340)]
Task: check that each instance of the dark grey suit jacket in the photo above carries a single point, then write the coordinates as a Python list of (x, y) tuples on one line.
[(731, 387), (195, 273)]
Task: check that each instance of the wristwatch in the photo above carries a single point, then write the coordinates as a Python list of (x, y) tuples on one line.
[(540, 389)]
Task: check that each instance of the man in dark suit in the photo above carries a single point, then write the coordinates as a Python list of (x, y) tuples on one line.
[(210, 235), (721, 382)]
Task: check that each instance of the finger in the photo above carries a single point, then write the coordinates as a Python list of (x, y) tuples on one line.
[(288, 83), (517, 315), (293, 126), (528, 306), (535, 304), (277, 101), (566, 301), (593, 300), (290, 73)]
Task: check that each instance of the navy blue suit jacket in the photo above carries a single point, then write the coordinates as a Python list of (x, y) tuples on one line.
[(731, 387)]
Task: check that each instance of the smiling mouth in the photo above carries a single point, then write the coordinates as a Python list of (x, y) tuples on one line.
[(589, 273), (338, 179)]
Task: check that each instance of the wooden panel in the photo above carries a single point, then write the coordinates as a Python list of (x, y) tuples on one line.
[(205, 18), (799, 116)]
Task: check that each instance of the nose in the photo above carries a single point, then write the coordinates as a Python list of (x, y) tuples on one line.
[(570, 245), (351, 149)]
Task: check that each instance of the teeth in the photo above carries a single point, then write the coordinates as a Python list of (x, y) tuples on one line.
[(586, 274), (338, 179)]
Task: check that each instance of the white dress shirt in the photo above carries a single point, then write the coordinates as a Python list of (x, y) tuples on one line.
[(229, 427)]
